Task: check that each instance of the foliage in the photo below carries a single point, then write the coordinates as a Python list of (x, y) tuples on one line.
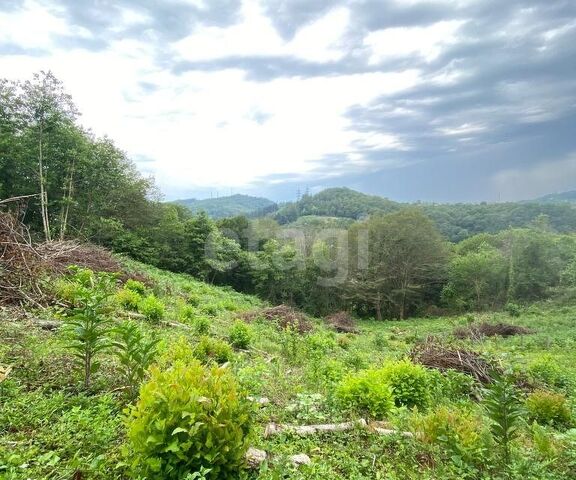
[(128, 299), (87, 325), (366, 393), (213, 350), (152, 308), (201, 325), (188, 419), (410, 383), (504, 409), (240, 335), (135, 286), (548, 408), (135, 353), (545, 370)]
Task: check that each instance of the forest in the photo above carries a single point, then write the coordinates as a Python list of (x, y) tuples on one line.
[(341, 335)]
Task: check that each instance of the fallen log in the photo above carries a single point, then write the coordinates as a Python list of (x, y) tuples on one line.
[(303, 430)]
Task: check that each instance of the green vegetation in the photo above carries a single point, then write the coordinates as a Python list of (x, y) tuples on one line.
[(54, 428), (230, 206)]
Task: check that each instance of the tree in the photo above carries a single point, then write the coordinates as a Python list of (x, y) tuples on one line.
[(398, 260), (47, 107)]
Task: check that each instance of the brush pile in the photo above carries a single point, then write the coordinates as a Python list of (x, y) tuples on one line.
[(480, 330), (283, 316), (24, 265), (443, 358), (21, 265), (342, 322)]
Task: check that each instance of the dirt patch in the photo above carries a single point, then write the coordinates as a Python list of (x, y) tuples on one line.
[(284, 317), (342, 322), (481, 330), (434, 355)]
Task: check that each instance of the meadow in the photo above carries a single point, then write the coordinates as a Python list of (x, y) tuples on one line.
[(53, 426)]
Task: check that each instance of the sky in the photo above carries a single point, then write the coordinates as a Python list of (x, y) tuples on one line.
[(430, 100)]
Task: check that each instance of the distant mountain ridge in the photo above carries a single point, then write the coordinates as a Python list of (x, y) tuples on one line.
[(563, 197), (229, 206)]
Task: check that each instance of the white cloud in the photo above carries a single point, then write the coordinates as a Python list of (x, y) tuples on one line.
[(425, 42), (255, 35)]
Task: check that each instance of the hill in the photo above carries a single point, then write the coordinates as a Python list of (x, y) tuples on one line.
[(335, 202), (229, 206), (456, 221), (564, 197)]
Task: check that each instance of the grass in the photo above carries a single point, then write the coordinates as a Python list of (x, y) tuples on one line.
[(51, 429)]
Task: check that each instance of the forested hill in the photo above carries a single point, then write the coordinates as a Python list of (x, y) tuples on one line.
[(455, 221), (229, 206), (564, 197)]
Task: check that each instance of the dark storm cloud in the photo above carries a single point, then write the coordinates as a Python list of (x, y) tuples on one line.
[(164, 21)]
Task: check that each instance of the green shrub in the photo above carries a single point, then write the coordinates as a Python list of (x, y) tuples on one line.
[(451, 385), (178, 350), (210, 309), (548, 408), (240, 335), (135, 353), (189, 418), (457, 432), (212, 349), (128, 299), (513, 309), (547, 371), (380, 341), (328, 372), (186, 313), (410, 383), (135, 286), (202, 325), (152, 308), (194, 299), (365, 393)]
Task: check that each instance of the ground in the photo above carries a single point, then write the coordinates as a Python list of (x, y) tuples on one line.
[(51, 428)]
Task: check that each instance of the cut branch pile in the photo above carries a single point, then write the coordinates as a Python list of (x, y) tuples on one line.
[(481, 330), (433, 355), (284, 317), (342, 322), (23, 263), (20, 263)]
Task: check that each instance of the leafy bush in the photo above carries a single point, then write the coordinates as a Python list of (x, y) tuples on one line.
[(365, 393), (513, 309), (547, 371), (128, 299), (410, 383), (456, 431), (135, 286), (189, 418), (202, 325), (240, 335), (152, 308), (328, 372), (87, 326), (212, 349), (135, 353), (451, 385), (503, 407), (186, 313), (548, 408)]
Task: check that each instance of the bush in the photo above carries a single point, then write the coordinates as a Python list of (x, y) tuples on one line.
[(202, 325), (548, 408), (135, 286), (545, 370), (410, 383), (365, 393), (240, 335), (212, 349), (189, 418), (152, 308), (458, 432), (128, 299), (451, 385), (512, 309)]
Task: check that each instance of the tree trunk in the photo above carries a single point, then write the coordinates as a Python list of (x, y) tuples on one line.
[(378, 306), (43, 193), (67, 198)]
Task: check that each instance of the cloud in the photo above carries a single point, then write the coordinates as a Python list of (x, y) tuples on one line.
[(540, 179), (428, 99)]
